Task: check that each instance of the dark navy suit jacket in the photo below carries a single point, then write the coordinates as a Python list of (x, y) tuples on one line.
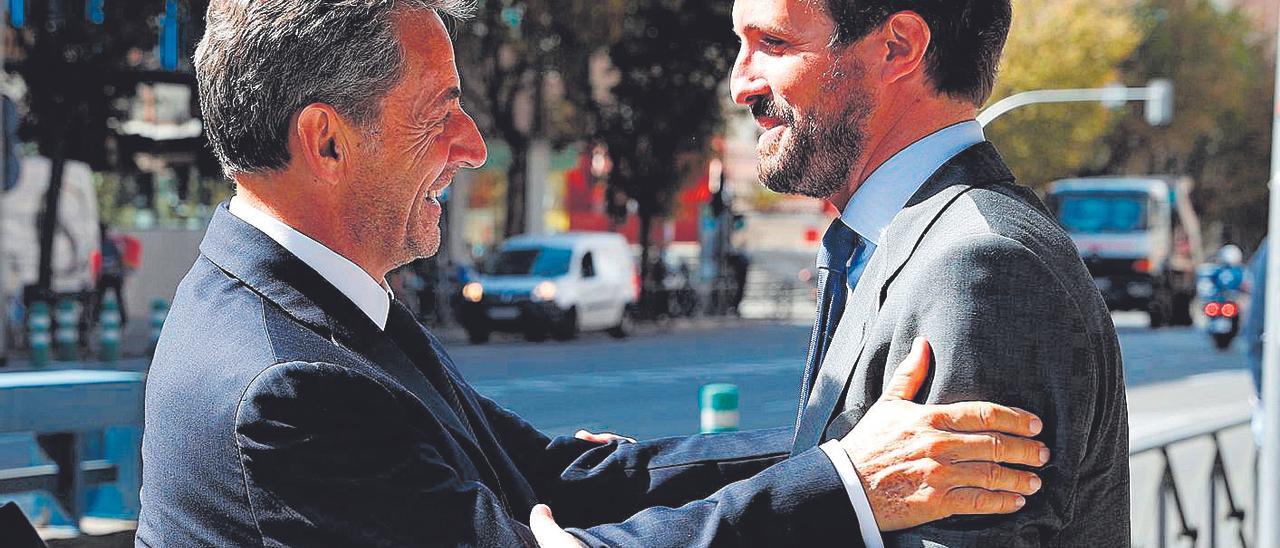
[(277, 414)]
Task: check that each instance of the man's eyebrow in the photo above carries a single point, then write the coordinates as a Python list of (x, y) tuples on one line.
[(764, 29)]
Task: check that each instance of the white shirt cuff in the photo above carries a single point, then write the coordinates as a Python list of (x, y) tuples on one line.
[(853, 487)]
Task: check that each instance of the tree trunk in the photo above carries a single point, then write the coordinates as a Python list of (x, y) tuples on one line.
[(517, 189), (47, 221), (646, 285)]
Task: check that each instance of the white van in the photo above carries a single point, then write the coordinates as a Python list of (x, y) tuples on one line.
[(553, 285)]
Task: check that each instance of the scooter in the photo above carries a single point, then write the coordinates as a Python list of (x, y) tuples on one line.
[(1219, 287), (1224, 321)]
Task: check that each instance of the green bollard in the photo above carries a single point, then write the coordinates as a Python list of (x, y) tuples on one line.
[(719, 406), (109, 338), (38, 323), (66, 334), (159, 312)]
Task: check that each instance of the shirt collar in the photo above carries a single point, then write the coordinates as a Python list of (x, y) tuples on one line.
[(890, 186), (370, 296)]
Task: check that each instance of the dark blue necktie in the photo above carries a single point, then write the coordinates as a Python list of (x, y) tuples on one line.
[(838, 246)]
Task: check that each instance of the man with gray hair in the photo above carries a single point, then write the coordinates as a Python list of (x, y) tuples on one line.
[(293, 402)]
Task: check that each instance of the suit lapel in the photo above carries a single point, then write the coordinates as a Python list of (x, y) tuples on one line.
[(382, 353), (247, 254), (976, 166)]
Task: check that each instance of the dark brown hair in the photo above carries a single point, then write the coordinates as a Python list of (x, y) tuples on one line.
[(968, 38)]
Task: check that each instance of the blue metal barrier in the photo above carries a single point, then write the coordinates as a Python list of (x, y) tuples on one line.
[(88, 425)]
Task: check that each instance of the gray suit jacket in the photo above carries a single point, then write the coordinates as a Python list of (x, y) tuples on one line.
[(977, 265)]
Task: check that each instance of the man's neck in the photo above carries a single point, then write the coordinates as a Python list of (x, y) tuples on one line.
[(908, 125), (316, 221)]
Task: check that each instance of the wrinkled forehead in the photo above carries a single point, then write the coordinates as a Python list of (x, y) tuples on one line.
[(778, 16), (428, 49)]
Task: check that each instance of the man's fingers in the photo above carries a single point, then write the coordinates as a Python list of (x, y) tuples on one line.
[(589, 436), (548, 533), (991, 447), (988, 417), (606, 437), (972, 500), (992, 477), (543, 523), (910, 374)]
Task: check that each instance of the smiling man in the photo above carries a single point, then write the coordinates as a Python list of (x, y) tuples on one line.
[(292, 401), (871, 105)]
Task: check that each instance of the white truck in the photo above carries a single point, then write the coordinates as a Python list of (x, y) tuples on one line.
[(1140, 238)]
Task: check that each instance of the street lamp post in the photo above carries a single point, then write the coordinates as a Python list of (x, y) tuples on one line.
[(4, 174), (1158, 95), (1269, 466)]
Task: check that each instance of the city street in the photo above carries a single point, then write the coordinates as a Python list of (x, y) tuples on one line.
[(647, 386)]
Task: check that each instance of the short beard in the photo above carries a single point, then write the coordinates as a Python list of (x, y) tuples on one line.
[(822, 151)]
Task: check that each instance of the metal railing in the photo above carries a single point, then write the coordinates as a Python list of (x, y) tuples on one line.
[(1167, 493)]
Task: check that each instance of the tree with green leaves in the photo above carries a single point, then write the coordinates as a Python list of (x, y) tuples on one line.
[(670, 60), (1220, 62), (1057, 44), (76, 65), (510, 56)]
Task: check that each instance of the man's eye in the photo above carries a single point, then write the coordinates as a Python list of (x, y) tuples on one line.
[(772, 42), (443, 121)]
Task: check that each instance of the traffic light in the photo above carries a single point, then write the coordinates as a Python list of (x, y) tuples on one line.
[(1160, 104)]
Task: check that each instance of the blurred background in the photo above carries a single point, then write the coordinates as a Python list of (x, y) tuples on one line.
[(617, 252)]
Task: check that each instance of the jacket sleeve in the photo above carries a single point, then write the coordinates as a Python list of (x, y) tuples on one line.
[(1005, 330), (798, 502), (328, 460), (586, 483)]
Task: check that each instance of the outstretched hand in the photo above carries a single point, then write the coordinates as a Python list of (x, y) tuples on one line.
[(603, 437), (548, 532)]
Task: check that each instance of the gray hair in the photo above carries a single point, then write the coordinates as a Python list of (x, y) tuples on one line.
[(261, 61)]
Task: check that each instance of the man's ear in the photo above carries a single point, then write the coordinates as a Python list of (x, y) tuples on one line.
[(322, 142), (906, 38)]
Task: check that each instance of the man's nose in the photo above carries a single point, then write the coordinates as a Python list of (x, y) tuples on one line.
[(745, 85), (470, 150)]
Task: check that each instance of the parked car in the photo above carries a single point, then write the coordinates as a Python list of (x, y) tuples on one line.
[(1140, 238), (553, 285)]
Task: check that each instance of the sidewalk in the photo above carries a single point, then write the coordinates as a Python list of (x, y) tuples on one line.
[(451, 336), (1190, 402), (123, 364)]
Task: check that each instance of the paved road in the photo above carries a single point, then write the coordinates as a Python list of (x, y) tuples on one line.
[(647, 386)]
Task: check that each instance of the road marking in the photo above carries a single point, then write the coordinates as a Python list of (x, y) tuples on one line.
[(568, 382)]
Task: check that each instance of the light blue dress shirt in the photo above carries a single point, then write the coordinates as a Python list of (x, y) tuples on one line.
[(890, 186)]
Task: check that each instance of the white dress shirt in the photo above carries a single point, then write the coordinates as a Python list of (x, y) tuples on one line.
[(370, 296), (874, 205)]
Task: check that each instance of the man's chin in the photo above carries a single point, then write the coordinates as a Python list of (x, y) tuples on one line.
[(423, 242), (775, 175)]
